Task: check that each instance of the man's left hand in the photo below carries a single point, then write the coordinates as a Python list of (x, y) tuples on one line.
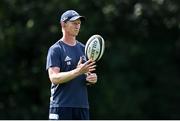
[(91, 78)]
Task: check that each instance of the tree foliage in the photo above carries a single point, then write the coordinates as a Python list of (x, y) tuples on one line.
[(138, 76)]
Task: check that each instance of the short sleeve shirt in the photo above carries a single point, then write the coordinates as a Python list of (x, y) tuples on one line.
[(74, 92)]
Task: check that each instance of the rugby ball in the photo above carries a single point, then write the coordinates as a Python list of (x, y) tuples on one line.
[(94, 47)]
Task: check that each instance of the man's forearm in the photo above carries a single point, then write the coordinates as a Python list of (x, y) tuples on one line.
[(63, 77)]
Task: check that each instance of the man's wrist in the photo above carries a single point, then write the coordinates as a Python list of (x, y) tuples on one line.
[(76, 72)]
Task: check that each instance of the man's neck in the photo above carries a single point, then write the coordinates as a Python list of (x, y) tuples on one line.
[(70, 40)]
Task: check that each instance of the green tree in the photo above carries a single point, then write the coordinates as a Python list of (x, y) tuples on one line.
[(138, 75)]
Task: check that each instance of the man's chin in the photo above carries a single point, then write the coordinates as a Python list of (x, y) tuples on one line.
[(76, 34)]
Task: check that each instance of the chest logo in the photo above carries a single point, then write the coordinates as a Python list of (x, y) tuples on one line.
[(68, 60)]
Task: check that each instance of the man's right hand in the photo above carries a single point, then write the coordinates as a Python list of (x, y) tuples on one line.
[(88, 66)]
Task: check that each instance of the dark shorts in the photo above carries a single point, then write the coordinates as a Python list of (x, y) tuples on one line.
[(68, 113)]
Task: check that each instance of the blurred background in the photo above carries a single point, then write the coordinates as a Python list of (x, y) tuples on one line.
[(138, 75)]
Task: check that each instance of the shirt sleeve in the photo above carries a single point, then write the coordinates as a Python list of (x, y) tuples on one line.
[(53, 58)]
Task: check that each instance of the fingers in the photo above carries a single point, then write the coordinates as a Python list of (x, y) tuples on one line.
[(92, 68), (80, 61), (86, 67), (89, 62), (92, 78)]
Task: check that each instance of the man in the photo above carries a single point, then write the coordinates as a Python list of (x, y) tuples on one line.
[(69, 72)]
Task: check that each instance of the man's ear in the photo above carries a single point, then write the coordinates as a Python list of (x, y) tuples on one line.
[(63, 24)]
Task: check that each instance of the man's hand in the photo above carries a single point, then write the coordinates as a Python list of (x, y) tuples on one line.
[(86, 67), (91, 78)]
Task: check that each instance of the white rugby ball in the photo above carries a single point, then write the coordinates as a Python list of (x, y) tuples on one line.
[(94, 47)]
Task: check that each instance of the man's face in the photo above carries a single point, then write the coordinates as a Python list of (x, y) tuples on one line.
[(73, 27)]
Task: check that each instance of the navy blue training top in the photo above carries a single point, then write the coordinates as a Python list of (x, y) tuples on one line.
[(74, 92)]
